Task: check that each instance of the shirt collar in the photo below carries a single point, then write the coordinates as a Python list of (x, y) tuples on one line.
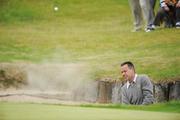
[(134, 80)]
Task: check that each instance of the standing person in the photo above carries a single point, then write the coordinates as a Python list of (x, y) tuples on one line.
[(138, 7), (138, 90), (169, 13)]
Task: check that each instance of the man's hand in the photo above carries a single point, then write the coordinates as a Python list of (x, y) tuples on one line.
[(178, 4), (166, 8)]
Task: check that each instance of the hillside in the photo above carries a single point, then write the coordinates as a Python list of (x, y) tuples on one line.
[(95, 33)]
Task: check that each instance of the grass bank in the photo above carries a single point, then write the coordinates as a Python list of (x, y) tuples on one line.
[(96, 33), (172, 106)]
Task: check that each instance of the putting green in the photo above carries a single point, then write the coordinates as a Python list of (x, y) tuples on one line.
[(18, 111)]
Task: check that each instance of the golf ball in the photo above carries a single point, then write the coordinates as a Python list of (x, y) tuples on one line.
[(56, 8)]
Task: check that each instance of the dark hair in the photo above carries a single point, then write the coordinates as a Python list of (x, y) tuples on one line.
[(130, 64)]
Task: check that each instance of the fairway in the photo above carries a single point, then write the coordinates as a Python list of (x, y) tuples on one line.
[(19, 111)]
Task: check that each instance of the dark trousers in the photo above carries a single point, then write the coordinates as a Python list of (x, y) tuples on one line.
[(177, 15), (168, 17), (153, 4)]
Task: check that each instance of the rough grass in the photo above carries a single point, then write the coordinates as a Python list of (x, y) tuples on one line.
[(19, 111), (96, 33)]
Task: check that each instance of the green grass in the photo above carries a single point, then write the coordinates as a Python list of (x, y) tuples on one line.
[(172, 106), (22, 111), (96, 33)]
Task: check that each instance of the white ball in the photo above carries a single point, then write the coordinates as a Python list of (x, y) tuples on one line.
[(56, 8)]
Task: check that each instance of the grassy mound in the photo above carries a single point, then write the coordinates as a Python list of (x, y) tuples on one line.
[(96, 33)]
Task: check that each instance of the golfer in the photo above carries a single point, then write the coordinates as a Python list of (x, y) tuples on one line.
[(138, 90)]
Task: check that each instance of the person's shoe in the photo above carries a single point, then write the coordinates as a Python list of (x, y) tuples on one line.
[(153, 27), (149, 29), (178, 25)]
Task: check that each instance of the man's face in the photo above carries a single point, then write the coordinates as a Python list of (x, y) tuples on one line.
[(127, 73)]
